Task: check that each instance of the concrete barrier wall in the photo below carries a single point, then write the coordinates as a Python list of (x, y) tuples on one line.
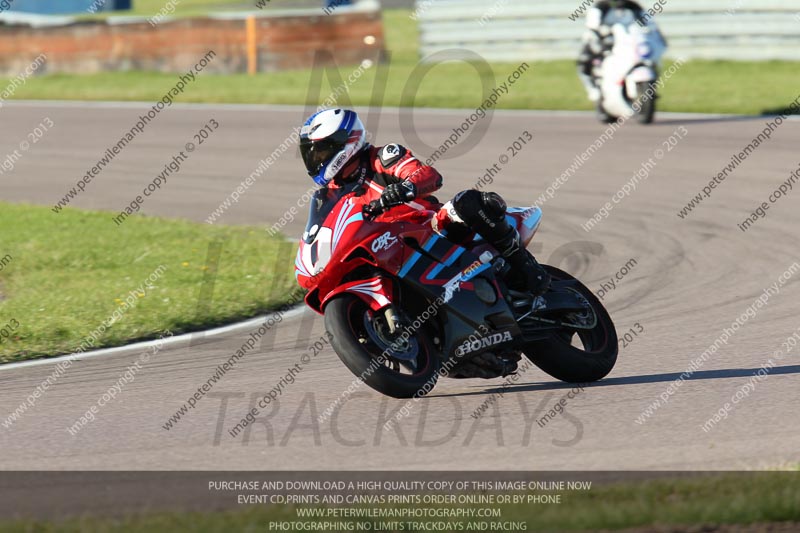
[(288, 40), (518, 30)]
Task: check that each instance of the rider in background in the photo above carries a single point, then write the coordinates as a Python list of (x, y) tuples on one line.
[(335, 152), (598, 40)]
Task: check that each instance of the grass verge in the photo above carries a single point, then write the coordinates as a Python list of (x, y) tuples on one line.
[(62, 276), (749, 498), (738, 87)]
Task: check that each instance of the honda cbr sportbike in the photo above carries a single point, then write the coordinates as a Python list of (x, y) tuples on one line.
[(629, 73), (404, 305)]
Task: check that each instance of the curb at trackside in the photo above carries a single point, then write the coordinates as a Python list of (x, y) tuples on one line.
[(141, 346)]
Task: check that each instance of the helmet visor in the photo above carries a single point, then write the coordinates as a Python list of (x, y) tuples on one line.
[(317, 154)]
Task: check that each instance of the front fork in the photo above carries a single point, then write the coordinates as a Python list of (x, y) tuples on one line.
[(392, 319)]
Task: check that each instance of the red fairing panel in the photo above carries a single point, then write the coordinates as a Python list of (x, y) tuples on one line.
[(376, 292)]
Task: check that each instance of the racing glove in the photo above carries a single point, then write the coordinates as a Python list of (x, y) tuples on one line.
[(398, 193)]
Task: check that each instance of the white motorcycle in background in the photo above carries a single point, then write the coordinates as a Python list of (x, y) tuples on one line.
[(629, 73)]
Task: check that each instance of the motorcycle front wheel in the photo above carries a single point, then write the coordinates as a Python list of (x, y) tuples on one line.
[(402, 366), (647, 109), (577, 355), (603, 116)]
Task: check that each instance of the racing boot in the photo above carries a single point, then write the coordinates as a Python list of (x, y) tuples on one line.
[(592, 90), (526, 273), (586, 63), (485, 213)]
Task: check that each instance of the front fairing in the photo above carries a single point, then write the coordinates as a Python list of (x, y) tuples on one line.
[(336, 229), (635, 44), (321, 235)]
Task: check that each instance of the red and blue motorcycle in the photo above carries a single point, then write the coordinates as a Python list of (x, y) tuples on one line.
[(404, 305)]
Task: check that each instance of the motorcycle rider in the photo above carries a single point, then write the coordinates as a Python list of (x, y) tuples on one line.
[(598, 40), (335, 152)]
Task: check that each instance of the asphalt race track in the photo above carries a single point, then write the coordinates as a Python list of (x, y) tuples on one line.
[(692, 278)]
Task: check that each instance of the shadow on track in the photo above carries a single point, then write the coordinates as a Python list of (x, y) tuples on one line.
[(709, 120), (633, 380)]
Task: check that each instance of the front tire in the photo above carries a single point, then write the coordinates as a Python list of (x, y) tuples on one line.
[(368, 355), (559, 357), (603, 116)]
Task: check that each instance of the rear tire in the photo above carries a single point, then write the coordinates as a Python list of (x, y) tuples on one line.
[(360, 352), (647, 111), (565, 362)]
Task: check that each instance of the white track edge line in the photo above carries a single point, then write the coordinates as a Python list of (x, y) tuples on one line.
[(170, 341)]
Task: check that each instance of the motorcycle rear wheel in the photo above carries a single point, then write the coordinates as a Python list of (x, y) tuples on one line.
[(558, 355), (370, 358)]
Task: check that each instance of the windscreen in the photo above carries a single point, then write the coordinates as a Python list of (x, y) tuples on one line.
[(321, 205)]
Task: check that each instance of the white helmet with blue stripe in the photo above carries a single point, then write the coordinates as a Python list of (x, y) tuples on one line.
[(328, 141)]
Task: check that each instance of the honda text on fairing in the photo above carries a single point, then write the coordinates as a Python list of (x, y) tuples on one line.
[(403, 305)]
